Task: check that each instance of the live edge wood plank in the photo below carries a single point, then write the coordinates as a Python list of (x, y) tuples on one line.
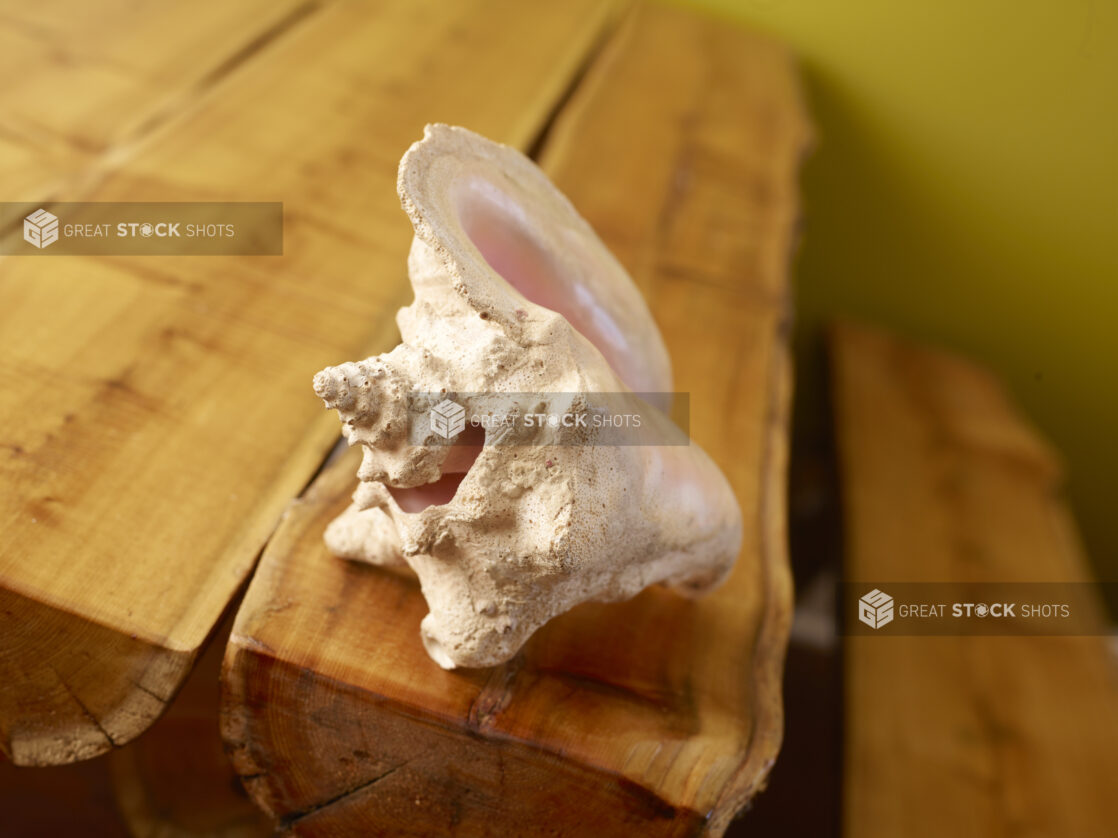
[(964, 736), (173, 782), (658, 716), (155, 413)]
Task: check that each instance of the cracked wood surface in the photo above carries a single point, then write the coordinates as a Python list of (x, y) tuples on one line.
[(156, 413), (964, 736), (658, 716), (173, 782)]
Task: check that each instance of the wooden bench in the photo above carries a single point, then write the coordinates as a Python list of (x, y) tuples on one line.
[(158, 417), (942, 481)]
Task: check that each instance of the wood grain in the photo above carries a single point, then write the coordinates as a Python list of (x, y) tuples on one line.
[(173, 782), (156, 412), (655, 716), (85, 81), (943, 481)]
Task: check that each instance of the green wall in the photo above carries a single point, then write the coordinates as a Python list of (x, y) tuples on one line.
[(965, 191)]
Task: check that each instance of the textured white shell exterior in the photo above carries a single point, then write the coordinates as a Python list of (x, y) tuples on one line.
[(514, 293)]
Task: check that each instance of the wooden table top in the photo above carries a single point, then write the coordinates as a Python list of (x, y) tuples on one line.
[(158, 417)]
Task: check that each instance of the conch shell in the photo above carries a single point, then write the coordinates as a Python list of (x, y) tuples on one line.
[(515, 294)]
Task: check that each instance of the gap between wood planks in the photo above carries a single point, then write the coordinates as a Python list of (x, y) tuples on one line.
[(187, 100)]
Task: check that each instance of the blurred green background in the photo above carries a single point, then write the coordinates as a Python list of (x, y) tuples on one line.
[(965, 192)]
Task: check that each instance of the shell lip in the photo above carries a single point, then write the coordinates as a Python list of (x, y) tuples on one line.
[(439, 173), (470, 199)]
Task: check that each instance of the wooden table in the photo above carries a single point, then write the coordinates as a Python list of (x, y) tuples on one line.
[(158, 417)]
